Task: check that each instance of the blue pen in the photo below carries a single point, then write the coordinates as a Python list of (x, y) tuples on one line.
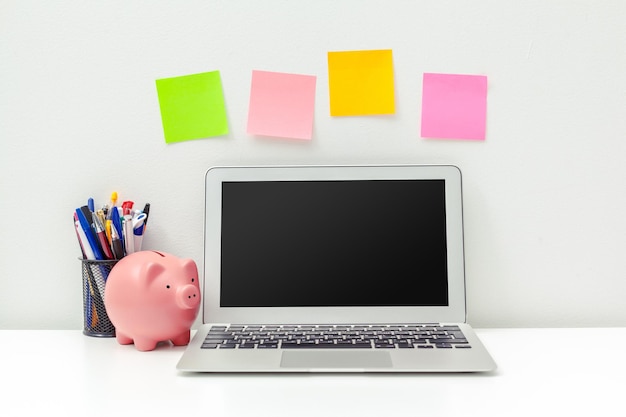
[(91, 205), (117, 223), (86, 226), (88, 304), (138, 229)]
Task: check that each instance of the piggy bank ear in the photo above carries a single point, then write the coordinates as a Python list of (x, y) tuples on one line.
[(150, 271), (190, 268)]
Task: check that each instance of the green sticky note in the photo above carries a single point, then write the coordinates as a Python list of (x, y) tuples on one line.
[(192, 106)]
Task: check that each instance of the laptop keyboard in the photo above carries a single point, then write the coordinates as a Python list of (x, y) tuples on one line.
[(422, 336)]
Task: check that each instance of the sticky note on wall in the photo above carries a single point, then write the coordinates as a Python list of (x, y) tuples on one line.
[(281, 105), (192, 106), (361, 83), (454, 106)]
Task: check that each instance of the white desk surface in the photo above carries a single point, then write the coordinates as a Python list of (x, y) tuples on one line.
[(540, 372)]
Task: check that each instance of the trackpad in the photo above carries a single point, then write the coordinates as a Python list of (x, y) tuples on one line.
[(335, 360)]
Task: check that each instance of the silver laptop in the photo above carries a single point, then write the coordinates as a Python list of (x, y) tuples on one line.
[(334, 269)]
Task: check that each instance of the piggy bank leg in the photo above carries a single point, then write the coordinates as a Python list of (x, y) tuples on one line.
[(122, 339), (144, 344), (182, 339)]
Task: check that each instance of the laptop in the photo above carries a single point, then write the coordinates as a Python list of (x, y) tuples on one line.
[(334, 269)]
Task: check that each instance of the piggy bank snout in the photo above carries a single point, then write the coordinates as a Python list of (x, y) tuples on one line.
[(188, 296)]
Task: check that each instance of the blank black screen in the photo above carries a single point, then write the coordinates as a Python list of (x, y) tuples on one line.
[(334, 243)]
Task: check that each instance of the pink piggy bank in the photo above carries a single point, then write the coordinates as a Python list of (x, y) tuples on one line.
[(151, 297)]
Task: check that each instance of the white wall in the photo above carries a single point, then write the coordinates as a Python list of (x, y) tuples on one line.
[(544, 194)]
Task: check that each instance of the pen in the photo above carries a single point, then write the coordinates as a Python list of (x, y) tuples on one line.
[(88, 303), (112, 208), (146, 210), (138, 228), (116, 244), (108, 225), (129, 243), (101, 216), (89, 233), (104, 243), (82, 240), (96, 301), (117, 223)]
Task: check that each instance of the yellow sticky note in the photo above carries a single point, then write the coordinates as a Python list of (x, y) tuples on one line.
[(361, 83)]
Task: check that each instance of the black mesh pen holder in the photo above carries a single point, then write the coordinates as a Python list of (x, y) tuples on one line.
[(96, 320)]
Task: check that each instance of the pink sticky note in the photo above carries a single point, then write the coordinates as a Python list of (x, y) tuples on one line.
[(454, 106), (281, 105)]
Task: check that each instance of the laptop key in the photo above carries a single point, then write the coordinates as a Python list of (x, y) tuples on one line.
[(218, 328), (219, 336), (457, 341), (293, 345)]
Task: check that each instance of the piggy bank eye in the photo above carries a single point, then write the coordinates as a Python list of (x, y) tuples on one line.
[(193, 280), (167, 286)]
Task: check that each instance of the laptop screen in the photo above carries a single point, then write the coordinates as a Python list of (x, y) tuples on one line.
[(334, 243)]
